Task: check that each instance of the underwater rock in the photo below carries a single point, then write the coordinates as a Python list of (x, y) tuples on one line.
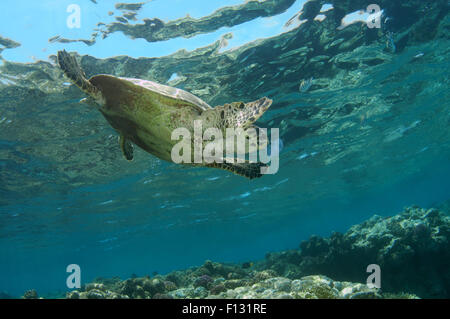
[(73, 295), (128, 288), (156, 285), (310, 287), (263, 275), (203, 281), (177, 277), (161, 296), (234, 283), (217, 289), (182, 293), (200, 292), (412, 249), (217, 269), (95, 294), (30, 294), (92, 286), (169, 285)]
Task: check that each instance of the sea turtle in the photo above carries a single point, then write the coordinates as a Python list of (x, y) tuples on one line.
[(146, 113)]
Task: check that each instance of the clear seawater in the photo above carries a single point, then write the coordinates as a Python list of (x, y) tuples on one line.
[(368, 139)]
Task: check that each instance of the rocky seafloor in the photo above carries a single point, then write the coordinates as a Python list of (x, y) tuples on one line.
[(411, 248)]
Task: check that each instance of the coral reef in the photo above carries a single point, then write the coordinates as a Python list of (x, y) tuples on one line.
[(411, 248), (30, 294), (249, 287)]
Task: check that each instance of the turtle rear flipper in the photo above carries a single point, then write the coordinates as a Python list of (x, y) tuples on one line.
[(73, 71), (249, 170)]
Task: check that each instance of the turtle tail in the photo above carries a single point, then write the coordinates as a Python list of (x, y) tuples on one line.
[(249, 170), (73, 71)]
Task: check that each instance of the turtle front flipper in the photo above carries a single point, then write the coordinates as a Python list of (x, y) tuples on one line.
[(237, 114), (73, 71), (254, 139), (249, 170), (126, 147)]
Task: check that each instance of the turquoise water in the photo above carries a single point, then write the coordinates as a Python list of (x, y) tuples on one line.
[(370, 136)]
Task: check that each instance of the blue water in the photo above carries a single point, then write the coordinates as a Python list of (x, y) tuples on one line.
[(125, 250), (68, 197)]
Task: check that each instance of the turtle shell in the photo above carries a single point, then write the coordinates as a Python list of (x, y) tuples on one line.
[(169, 91)]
